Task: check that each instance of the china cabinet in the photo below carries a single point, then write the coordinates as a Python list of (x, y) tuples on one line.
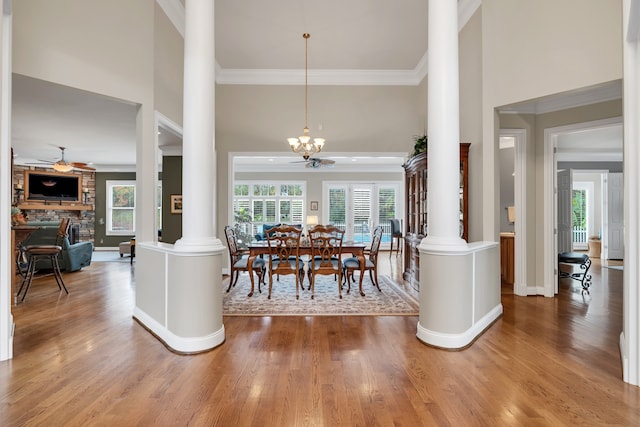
[(416, 209)]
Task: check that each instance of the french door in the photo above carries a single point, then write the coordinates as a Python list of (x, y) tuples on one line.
[(359, 207)]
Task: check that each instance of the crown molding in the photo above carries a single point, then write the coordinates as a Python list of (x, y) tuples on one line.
[(175, 12), (601, 93), (319, 77), (466, 9)]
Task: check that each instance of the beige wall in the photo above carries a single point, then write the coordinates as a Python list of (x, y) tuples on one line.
[(470, 64), (108, 48), (101, 47), (579, 47), (168, 67), (538, 48), (354, 119)]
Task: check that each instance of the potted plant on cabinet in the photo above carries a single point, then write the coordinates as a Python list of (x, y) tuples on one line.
[(420, 144)]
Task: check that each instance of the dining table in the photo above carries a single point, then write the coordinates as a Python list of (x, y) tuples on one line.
[(261, 248)]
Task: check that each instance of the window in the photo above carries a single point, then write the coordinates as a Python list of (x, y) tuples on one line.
[(579, 216), (358, 208), (121, 208), (259, 203)]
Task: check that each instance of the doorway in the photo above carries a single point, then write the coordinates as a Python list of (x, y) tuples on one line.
[(587, 145)]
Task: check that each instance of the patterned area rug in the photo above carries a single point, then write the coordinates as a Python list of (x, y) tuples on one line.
[(392, 301)]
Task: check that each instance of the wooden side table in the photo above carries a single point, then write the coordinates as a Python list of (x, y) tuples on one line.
[(133, 249)]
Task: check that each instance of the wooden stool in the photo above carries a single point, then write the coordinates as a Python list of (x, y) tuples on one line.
[(51, 252)]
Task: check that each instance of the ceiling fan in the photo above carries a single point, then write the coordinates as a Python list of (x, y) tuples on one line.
[(316, 162), (63, 166)]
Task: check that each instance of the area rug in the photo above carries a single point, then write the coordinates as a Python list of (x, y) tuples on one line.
[(392, 301), (109, 256)]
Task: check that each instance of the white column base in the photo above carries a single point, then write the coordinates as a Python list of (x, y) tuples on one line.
[(459, 293), (179, 295), (461, 340), (176, 343)]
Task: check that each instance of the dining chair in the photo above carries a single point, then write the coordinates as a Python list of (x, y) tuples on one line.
[(326, 253), (34, 253), (239, 258), (284, 254), (396, 234), (371, 260)]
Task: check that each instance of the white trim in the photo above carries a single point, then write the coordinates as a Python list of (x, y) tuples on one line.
[(175, 342), (466, 9), (7, 327), (520, 202), (550, 241), (160, 120), (319, 77), (601, 93), (175, 12), (630, 337), (109, 184), (459, 341)]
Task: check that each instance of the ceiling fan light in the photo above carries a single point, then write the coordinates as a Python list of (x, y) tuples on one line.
[(62, 167), (293, 141), (319, 143)]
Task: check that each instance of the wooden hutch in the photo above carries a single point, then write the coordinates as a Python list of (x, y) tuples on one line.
[(416, 209)]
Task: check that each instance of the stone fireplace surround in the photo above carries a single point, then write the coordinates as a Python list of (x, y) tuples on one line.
[(85, 218)]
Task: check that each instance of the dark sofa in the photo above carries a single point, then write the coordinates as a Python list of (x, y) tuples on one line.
[(73, 257)]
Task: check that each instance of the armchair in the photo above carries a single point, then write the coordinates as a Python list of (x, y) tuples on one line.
[(73, 256)]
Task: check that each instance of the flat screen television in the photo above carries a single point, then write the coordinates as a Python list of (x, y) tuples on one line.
[(52, 186)]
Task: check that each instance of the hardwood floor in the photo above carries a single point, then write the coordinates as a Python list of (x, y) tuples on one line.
[(80, 359)]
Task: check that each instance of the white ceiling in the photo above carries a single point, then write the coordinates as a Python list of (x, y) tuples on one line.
[(352, 42)]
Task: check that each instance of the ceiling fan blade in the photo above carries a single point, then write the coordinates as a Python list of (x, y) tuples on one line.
[(327, 161), (82, 166)]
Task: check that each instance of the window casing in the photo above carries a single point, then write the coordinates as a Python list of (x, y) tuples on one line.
[(121, 208), (259, 203)]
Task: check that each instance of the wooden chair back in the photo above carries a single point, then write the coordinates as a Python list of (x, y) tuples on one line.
[(238, 261), (326, 252), (284, 253)]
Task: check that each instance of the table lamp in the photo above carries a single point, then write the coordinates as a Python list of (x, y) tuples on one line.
[(311, 221)]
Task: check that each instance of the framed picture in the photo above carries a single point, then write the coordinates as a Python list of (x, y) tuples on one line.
[(176, 203), (314, 206)]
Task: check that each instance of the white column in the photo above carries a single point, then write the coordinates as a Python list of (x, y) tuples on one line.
[(6, 254), (179, 294), (443, 151), (198, 157), (459, 283)]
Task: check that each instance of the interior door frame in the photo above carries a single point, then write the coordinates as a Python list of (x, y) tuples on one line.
[(550, 243), (520, 286)]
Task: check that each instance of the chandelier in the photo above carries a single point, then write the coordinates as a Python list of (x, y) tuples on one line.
[(303, 145)]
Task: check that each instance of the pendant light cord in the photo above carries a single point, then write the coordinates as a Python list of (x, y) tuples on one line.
[(306, 72)]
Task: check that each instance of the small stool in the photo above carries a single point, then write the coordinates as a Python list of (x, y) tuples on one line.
[(583, 261), (125, 248)]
